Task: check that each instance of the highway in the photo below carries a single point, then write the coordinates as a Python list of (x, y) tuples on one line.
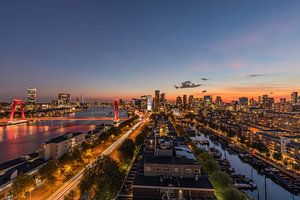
[(75, 180)]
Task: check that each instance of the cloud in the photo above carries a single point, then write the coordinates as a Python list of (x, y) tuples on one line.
[(204, 91), (187, 84), (256, 75), (204, 79)]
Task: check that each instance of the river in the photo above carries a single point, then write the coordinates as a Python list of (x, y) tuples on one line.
[(273, 191), (22, 139)]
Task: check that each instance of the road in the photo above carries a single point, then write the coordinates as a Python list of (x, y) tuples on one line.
[(75, 180)]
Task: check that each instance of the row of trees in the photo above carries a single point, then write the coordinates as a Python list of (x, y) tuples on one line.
[(220, 180), (129, 146), (103, 180)]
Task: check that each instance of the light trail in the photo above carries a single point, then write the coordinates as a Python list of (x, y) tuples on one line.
[(75, 180)]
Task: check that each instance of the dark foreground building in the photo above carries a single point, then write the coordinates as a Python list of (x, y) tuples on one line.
[(171, 172)]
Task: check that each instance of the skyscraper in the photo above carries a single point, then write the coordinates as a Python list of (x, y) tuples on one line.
[(191, 100), (144, 101), (218, 101), (294, 97), (156, 99), (184, 99), (178, 101), (31, 95), (243, 101), (149, 102), (163, 98), (207, 99), (64, 99)]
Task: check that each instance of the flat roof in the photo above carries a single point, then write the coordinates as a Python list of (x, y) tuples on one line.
[(156, 181), (64, 137), (170, 160)]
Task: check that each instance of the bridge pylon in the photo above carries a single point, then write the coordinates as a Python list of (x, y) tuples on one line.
[(15, 103), (116, 110)]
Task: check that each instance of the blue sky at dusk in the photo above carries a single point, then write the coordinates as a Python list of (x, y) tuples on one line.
[(124, 49)]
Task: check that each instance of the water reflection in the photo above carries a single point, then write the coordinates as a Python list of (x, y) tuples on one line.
[(22, 139), (273, 191)]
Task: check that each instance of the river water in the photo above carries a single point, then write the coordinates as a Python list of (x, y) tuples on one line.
[(272, 191), (22, 139)]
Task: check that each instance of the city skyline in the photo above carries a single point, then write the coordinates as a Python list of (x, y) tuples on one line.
[(124, 50)]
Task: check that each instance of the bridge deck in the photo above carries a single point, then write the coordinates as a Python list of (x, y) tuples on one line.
[(67, 119)]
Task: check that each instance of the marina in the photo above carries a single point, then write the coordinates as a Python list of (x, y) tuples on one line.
[(249, 174)]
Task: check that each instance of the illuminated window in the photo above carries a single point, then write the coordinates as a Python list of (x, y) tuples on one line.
[(159, 169), (148, 169), (176, 170), (188, 171)]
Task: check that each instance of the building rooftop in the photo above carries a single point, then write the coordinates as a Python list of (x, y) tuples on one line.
[(64, 137), (156, 181), (170, 160)]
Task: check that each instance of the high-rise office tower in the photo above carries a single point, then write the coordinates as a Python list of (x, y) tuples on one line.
[(191, 100), (218, 101), (207, 99), (64, 99), (243, 101), (144, 101), (184, 100), (282, 101), (31, 96), (156, 99), (163, 98), (149, 102), (294, 97), (178, 101)]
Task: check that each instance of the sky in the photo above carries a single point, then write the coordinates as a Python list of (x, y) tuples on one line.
[(124, 49)]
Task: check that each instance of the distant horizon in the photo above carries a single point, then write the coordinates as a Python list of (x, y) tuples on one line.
[(170, 99)]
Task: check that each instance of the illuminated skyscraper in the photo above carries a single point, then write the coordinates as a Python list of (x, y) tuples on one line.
[(149, 102), (178, 101), (31, 96), (218, 101), (243, 101), (156, 99), (294, 97), (282, 101), (184, 99), (207, 99), (163, 98), (144, 101), (191, 100), (64, 99)]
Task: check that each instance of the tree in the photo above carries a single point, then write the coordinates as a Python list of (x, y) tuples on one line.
[(66, 159), (77, 155), (48, 171), (221, 180), (23, 183), (103, 180), (233, 194), (85, 146), (70, 196), (127, 150), (277, 156), (262, 148), (114, 131)]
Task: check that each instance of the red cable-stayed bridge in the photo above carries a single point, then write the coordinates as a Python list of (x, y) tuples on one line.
[(77, 118), (18, 102)]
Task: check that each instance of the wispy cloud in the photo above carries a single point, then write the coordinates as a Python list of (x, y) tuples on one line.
[(204, 79), (256, 75)]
